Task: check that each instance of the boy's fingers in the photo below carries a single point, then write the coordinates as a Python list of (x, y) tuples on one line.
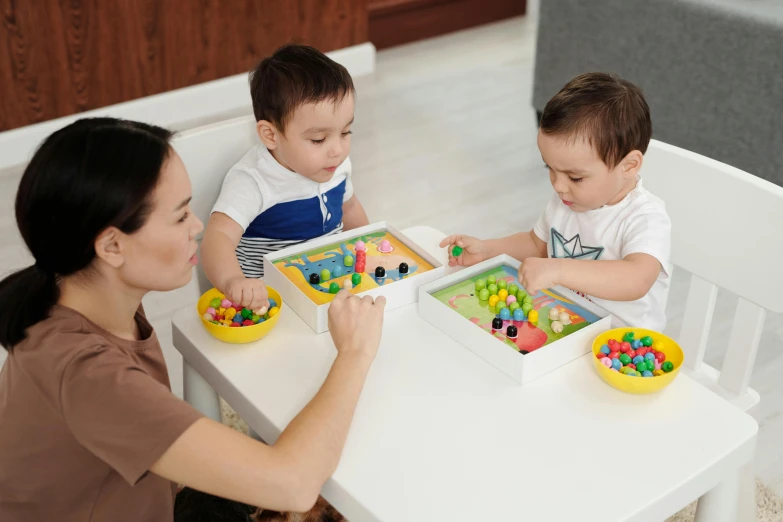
[(448, 241)]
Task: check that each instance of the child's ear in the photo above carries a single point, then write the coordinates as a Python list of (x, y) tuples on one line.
[(631, 164), (108, 247), (267, 133)]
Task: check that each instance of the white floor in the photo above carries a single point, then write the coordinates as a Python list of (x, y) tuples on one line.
[(445, 136)]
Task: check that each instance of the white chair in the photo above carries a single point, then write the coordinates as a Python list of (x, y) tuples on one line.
[(723, 233), (208, 153)]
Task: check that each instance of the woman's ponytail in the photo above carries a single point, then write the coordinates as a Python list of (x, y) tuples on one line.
[(26, 297)]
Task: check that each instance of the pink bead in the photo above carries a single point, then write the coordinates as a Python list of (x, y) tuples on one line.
[(211, 311), (606, 361), (360, 246), (657, 365), (385, 246), (511, 299), (209, 317), (226, 303)]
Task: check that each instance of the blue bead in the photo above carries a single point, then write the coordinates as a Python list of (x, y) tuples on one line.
[(636, 344), (505, 314), (519, 315), (272, 303), (605, 349), (647, 373), (337, 271), (649, 356), (238, 319), (616, 364), (638, 359)]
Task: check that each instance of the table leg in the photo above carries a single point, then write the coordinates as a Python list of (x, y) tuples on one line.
[(729, 501), (198, 393)]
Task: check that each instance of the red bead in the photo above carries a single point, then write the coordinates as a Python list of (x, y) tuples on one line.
[(632, 365), (642, 351), (624, 347), (247, 322), (219, 318), (632, 353), (611, 342), (614, 355), (660, 357)]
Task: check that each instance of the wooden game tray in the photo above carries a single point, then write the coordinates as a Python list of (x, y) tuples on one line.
[(448, 305), (287, 270)]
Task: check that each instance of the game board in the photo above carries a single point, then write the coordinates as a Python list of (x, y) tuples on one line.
[(298, 268), (463, 299)]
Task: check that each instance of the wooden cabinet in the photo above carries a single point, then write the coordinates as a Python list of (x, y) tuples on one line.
[(394, 22), (59, 58)]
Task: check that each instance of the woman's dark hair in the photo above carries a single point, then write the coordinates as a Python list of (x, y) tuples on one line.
[(93, 174)]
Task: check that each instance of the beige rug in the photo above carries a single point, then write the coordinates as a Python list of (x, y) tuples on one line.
[(769, 507)]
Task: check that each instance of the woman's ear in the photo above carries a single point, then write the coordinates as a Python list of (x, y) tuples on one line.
[(268, 134), (109, 248)]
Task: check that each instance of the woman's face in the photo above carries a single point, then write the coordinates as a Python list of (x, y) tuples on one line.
[(161, 255)]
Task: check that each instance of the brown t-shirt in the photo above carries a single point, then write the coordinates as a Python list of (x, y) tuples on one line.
[(83, 416)]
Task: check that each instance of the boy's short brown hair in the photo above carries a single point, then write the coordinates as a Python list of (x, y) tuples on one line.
[(294, 75), (607, 110)]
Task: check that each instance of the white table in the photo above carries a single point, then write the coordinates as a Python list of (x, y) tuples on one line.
[(440, 435)]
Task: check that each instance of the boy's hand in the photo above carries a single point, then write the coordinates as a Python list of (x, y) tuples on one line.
[(250, 293), (473, 250), (537, 273)]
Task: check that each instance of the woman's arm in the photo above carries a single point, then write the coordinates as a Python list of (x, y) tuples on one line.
[(289, 475)]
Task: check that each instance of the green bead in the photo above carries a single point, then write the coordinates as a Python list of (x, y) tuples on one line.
[(521, 294), (255, 318), (628, 337), (667, 366), (625, 359), (356, 279), (325, 275), (456, 251), (647, 340), (246, 314), (624, 370), (480, 285), (215, 303), (642, 366), (513, 290), (491, 280), (527, 300), (484, 295), (348, 260), (526, 307), (502, 284), (498, 307), (513, 306), (334, 288), (493, 289)]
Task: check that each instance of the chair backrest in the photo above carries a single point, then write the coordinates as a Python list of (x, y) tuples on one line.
[(208, 153), (723, 232)]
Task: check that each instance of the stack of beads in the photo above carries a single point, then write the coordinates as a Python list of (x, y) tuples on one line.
[(223, 312), (635, 357), (361, 256)]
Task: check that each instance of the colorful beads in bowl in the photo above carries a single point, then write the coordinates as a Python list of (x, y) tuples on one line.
[(222, 312), (635, 357)]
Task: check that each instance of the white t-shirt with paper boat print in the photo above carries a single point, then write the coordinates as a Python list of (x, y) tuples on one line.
[(637, 224)]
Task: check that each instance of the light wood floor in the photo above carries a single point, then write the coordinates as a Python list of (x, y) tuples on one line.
[(445, 136)]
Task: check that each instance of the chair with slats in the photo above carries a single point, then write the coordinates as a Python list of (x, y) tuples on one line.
[(724, 233)]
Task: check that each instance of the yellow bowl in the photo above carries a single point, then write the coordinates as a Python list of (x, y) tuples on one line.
[(638, 385), (245, 334)]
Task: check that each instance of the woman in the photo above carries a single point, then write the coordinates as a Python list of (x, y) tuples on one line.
[(89, 428)]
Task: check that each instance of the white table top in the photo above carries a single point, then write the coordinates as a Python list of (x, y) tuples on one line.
[(439, 434)]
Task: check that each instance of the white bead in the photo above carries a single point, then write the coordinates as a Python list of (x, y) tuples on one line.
[(554, 315), (261, 311), (565, 318), (556, 326)]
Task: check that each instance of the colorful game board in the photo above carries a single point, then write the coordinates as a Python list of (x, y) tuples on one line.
[(463, 299), (299, 268)]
